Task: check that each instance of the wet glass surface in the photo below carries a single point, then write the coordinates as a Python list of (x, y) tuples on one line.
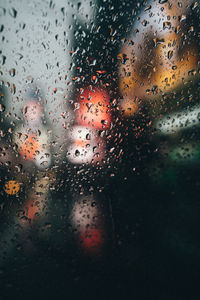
[(99, 149)]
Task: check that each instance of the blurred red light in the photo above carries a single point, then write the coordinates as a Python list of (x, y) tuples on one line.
[(94, 108), (92, 240)]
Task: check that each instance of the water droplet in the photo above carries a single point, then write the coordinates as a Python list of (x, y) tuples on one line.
[(194, 5), (12, 72), (104, 122), (170, 54), (167, 25), (2, 108), (77, 152), (144, 22), (182, 18), (147, 7), (158, 42), (13, 12), (174, 68), (162, 1), (88, 137), (18, 168)]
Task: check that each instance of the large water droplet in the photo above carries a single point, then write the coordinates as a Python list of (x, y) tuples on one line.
[(13, 12), (12, 72)]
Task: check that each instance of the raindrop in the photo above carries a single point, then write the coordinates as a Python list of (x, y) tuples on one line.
[(167, 25), (18, 168), (78, 5), (44, 163), (104, 122), (162, 1), (170, 54), (2, 108), (12, 72), (182, 18), (147, 7), (158, 42), (88, 137), (13, 12), (144, 22), (2, 60), (194, 5), (77, 152)]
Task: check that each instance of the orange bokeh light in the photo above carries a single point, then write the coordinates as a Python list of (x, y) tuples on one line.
[(12, 187), (33, 207), (29, 147)]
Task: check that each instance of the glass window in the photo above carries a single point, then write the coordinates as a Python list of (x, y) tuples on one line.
[(99, 149)]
